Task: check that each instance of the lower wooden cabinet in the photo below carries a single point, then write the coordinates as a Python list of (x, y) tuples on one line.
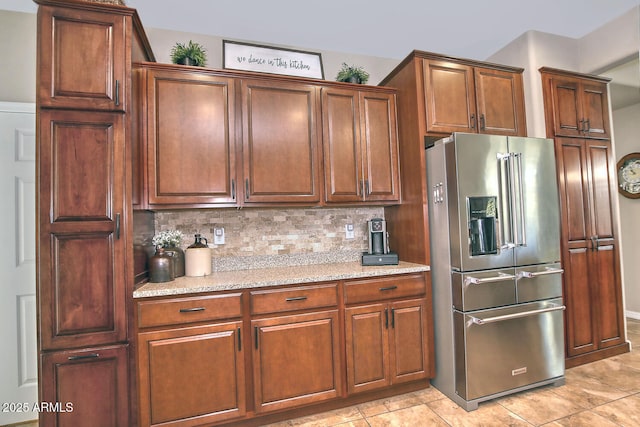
[(386, 344), (296, 360), (191, 376), (228, 358), (88, 387)]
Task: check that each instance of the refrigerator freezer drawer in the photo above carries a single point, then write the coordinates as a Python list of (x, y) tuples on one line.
[(539, 282), (502, 349), (483, 289)]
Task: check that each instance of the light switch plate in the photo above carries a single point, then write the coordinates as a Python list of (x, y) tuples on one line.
[(218, 235), (349, 231)]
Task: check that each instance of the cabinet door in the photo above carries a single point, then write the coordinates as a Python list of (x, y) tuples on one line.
[(83, 65), (595, 104), (280, 142), (581, 107), (408, 341), (191, 132), (449, 97), (296, 360), (594, 315), (380, 147), (500, 102), (191, 376), (343, 173), (82, 222), (367, 347), (89, 386)]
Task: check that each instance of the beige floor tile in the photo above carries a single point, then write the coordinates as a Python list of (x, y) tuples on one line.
[(325, 419), (613, 373), (375, 407), (487, 414), (414, 416), (430, 394), (540, 406), (586, 391), (583, 419), (625, 412)]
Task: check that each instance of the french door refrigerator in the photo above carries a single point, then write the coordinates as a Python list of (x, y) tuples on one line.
[(495, 266)]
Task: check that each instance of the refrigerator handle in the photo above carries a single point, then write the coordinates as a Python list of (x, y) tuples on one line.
[(505, 229), (478, 321), (520, 218)]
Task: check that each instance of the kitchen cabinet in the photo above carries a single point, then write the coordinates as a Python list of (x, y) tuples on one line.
[(592, 287), (280, 142), (593, 292), (296, 356), (581, 106), (82, 246), (460, 97), (359, 135), (191, 360), (190, 146), (83, 217), (386, 341), (88, 384), (438, 95), (84, 65)]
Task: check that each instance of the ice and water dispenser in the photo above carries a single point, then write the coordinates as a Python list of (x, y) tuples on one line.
[(482, 225)]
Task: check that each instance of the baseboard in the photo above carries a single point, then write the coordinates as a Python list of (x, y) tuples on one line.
[(572, 362), (632, 314)]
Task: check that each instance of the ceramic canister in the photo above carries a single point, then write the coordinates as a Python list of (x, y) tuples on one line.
[(198, 258)]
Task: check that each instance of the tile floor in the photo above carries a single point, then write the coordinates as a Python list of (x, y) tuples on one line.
[(600, 394)]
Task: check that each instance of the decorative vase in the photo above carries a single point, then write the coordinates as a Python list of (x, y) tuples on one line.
[(354, 79), (178, 259), (187, 61), (161, 267), (198, 258)]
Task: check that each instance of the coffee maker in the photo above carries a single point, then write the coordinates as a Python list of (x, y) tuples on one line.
[(379, 253)]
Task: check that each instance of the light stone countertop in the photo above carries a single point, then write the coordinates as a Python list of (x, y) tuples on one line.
[(264, 277)]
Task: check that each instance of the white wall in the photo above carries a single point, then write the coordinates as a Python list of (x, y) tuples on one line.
[(17, 56), (626, 126)]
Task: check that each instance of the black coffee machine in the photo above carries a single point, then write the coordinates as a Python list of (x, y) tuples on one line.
[(379, 253)]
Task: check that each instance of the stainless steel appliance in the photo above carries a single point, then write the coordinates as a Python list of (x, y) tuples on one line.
[(495, 252), (379, 253)]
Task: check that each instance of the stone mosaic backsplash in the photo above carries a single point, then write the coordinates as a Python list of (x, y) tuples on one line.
[(257, 238)]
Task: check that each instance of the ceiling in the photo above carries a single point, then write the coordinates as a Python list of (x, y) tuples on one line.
[(388, 29)]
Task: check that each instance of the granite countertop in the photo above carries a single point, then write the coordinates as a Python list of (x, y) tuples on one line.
[(264, 277)]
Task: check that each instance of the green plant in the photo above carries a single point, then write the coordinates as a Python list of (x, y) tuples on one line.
[(350, 73), (195, 52)]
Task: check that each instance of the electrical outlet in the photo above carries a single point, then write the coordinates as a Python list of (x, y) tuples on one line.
[(218, 235), (349, 231)]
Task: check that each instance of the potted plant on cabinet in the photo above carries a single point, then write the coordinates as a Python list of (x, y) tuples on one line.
[(352, 74), (191, 53)]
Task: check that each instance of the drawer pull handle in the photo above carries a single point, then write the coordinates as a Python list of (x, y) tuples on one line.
[(191, 310), (86, 356), (388, 288), (296, 299)]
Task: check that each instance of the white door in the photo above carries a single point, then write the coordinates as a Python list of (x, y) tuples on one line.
[(18, 358)]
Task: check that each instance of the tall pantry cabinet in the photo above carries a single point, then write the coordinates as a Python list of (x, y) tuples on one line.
[(577, 117), (84, 273)]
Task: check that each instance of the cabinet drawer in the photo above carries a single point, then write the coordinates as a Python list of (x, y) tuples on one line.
[(384, 288), (290, 299), (188, 310)]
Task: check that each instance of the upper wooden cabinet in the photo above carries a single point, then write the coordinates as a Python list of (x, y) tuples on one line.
[(280, 142), (214, 138), (463, 98), (84, 64), (190, 124), (581, 104), (360, 143)]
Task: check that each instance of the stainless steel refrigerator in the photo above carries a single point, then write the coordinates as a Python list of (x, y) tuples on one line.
[(495, 266)]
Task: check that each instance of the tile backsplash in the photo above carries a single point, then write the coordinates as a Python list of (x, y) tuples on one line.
[(273, 236)]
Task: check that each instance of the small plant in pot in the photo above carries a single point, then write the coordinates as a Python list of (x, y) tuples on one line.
[(191, 53), (352, 74)]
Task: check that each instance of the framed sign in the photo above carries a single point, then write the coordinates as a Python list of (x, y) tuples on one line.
[(265, 59)]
